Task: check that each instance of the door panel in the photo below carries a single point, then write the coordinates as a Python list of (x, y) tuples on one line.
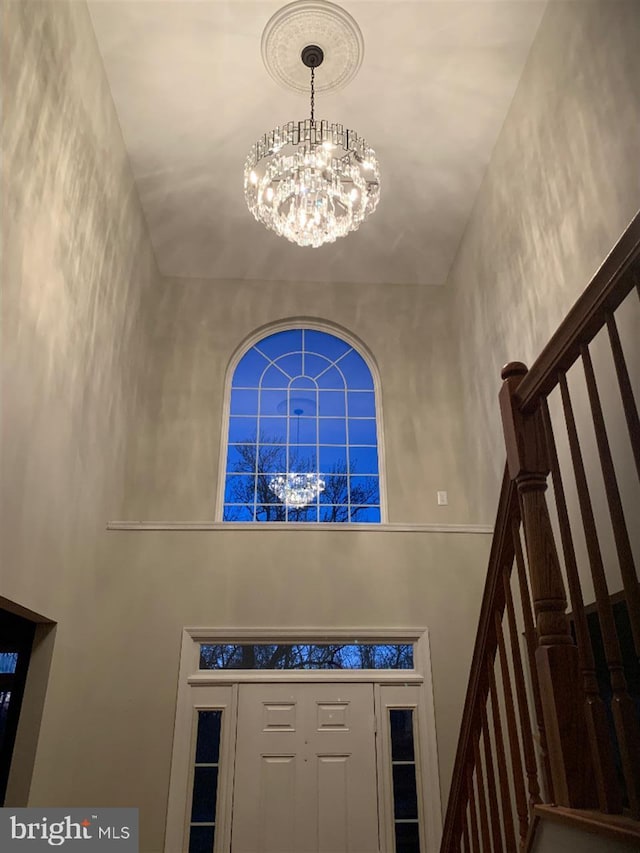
[(305, 779)]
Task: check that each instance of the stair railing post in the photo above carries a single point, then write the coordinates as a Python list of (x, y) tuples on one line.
[(556, 655)]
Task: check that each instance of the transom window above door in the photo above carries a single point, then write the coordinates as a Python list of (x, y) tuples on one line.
[(303, 435)]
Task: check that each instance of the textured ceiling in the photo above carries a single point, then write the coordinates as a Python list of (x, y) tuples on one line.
[(192, 96)]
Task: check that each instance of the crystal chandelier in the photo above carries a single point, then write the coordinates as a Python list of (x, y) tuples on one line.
[(311, 181), (297, 490)]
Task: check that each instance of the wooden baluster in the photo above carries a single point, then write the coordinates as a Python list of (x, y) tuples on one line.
[(482, 801), (626, 724), (521, 694), (608, 790), (620, 534), (531, 642), (505, 793), (556, 655), (465, 833), (473, 815), (514, 741), (496, 834), (626, 390)]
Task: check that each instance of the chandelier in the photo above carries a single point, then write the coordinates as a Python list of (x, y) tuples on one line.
[(297, 490), (311, 181)]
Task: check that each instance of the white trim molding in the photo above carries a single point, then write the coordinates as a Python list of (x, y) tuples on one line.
[(263, 526)]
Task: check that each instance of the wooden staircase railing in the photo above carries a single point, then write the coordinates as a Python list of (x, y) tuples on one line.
[(549, 718)]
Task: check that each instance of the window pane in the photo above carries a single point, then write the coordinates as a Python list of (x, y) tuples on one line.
[(401, 723), (334, 514), (273, 430), (356, 372), (237, 513), (302, 457), (274, 378), (330, 457), (302, 402), (8, 662), (291, 364), (205, 791), (362, 431), (336, 489), (315, 364), (249, 370), (270, 512), (303, 430), (332, 403), (325, 343), (201, 839), (208, 743), (244, 402), (242, 430), (273, 402), (240, 488), (364, 460), (306, 656), (333, 431), (405, 798), (272, 458), (368, 514), (266, 489), (362, 404), (241, 457), (308, 513), (407, 838), (5, 701), (331, 378), (281, 342), (364, 490)]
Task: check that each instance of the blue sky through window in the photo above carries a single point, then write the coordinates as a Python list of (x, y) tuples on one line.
[(306, 656), (302, 440)]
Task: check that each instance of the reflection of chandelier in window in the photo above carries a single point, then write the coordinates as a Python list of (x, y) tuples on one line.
[(297, 489), (312, 181)]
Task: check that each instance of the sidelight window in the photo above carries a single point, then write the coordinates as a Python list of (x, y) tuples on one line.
[(204, 796), (405, 785)]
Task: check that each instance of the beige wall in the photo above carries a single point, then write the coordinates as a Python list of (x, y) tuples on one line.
[(561, 187), (76, 260)]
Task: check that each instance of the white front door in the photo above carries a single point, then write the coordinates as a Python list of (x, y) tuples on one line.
[(305, 775)]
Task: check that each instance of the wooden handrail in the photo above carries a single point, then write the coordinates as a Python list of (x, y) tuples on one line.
[(613, 281)]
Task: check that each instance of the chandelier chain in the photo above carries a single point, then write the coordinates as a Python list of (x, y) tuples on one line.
[(313, 99)]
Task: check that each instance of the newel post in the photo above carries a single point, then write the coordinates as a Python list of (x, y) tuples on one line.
[(556, 653)]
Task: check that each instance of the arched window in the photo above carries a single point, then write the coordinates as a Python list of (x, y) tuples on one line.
[(303, 438)]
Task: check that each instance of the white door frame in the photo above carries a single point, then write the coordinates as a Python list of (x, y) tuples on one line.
[(219, 689)]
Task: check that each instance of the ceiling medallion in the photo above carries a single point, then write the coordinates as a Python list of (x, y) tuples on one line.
[(311, 181), (317, 22)]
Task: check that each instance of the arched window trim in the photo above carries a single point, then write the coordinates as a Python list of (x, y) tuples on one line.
[(363, 350)]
